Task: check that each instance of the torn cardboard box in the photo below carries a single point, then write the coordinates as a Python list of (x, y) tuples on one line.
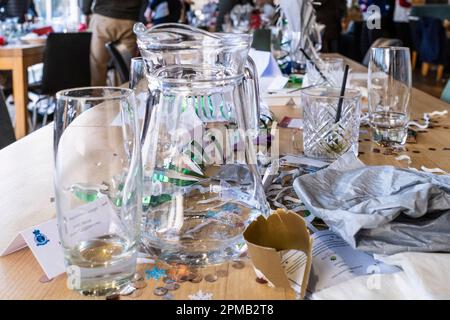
[(280, 248)]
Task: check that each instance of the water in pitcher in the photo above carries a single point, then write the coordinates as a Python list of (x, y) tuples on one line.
[(201, 184)]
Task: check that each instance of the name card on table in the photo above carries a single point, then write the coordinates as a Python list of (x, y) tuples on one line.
[(43, 241), (89, 220)]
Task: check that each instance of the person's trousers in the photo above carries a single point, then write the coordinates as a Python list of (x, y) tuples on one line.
[(104, 30), (403, 32)]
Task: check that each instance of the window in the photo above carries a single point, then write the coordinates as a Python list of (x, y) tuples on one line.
[(64, 10)]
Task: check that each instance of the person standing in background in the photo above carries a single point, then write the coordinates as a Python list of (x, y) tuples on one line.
[(401, 20), (110, 21), (15, 8), (186, 10), (224, 7), (164, 11), (330, 13), (370, 33)]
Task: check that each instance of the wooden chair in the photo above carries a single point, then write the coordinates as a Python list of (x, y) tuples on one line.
[(7, 135), (440, 11)]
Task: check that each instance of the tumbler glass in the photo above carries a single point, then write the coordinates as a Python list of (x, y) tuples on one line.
[(389, 86), (98, 178), (326, 71), (324, 137)]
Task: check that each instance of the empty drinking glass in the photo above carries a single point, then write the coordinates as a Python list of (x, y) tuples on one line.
[(324, 137), (389, 85), (98, 178), (326, 71)]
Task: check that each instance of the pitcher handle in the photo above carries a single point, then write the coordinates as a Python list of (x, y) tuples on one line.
[(251, 74)]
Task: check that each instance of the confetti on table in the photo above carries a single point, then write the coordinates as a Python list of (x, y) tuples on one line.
[(160, 291), (404, 157), (167, 296), (211, 278), (433, 170), (200, 295), (155, 273), (427, 117)]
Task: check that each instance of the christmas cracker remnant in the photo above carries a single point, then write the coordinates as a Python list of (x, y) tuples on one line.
[(280, 249)]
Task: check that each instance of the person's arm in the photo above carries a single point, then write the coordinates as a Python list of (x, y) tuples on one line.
[(85, 6)]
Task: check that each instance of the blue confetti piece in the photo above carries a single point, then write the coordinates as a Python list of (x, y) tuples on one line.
[(210, 214), (230, 207), (155, 273)]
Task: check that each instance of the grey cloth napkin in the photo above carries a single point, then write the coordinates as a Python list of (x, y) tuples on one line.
[(380, 209)]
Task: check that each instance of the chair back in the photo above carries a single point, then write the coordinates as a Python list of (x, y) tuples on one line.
[(261, 39), (381, 42), (441, 11), (121, 60), (66, 62), (7, 135)]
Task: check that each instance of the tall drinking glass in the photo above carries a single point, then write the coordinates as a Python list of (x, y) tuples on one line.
[(98, 180), (389, 85)]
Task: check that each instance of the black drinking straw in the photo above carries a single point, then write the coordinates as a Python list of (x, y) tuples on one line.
[(341, 98), (314, 64)]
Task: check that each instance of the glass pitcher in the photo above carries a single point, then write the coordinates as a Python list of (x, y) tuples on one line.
[(201, 184)]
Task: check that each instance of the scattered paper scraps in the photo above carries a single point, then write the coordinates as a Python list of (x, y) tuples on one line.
[(404, 157), (423, 168), (427, 117), (433, 170)]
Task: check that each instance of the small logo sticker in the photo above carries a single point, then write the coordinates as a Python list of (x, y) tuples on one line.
[(40, 238)]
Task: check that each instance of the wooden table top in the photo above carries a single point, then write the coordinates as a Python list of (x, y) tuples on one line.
[(20, 50), (27, 189)]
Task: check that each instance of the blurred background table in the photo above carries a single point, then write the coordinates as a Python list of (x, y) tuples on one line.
[(29, 191), (18, 58)]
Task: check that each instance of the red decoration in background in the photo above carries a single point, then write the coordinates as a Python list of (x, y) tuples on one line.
[(255, 20), (82, 27), (405, 3), (43, 31), (2, 41)]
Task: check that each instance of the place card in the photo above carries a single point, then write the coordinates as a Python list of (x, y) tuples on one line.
[(43, 241), (86, 221)]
